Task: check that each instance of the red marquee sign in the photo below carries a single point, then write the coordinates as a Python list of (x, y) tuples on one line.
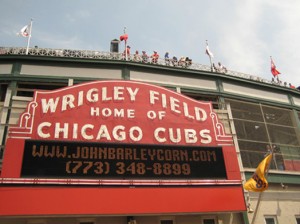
[(120, 111)]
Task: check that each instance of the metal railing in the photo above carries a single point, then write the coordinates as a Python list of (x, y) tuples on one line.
[(119, 56)]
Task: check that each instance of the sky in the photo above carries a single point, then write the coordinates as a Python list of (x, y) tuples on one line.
[(242, 34)]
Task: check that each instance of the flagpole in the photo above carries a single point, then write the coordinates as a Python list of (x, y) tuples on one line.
[(260, 194), (29, 37), (257, 207), (125, 45), (211, 65)]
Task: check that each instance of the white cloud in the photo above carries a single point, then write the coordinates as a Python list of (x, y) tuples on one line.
[(77, 15)]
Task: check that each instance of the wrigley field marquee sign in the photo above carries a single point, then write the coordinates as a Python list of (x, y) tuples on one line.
[(120, 130)]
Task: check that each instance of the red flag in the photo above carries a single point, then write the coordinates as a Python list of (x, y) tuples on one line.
[(274, 71), (124, 37)]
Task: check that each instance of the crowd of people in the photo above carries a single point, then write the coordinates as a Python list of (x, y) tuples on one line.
[(182, 62), (170, 61), (279, 82), (145, 58)]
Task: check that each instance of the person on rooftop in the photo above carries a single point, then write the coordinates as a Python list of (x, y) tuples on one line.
[(174, 61), (221, 68), (167, 59), (181, 61), (155, 57), (292, 86), (137, 57), (145, 57), (127, 50)]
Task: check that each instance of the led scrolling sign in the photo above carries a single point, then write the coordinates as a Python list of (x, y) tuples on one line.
[(121, 161)]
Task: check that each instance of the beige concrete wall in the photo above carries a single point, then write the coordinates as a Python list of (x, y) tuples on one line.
[(173, 80), (5, 68), (250, 92), (57, 71)]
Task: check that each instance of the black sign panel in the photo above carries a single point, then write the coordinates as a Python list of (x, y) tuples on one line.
[(52, 159)]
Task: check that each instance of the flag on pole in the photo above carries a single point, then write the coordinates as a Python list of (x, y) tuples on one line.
[(25, 31), (258, 181), (208, 52), (124, 37), (274, 71)]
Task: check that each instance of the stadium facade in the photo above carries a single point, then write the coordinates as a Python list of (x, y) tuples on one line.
[(87, 137)]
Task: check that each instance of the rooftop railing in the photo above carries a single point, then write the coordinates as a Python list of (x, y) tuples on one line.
[(119, 56)]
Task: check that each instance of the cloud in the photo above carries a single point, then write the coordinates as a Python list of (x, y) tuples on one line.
[(77, 16), (239, 44)]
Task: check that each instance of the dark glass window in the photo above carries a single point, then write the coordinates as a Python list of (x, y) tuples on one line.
[(208, 221), (248, 130), (3, 88), (252, 153), (246, 111), (270, 221), (278, 116), (283, 135), (258, 126), (201, 97), (27, 89), (166, 221)]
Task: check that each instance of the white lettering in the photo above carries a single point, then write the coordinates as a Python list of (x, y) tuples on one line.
[(190, 136), (174, 105), (106, 112), (95, 111), (151, 114), (206, 135), (80, 98), (132, 93), (104, 94), (75, 130), (157, 132), (67, 100), (92, 95), (178, 133), (161, 114), (118, 113), (118, 93), (199, 112), (186, 111), (103, 133), (120, 136), (84, 130), (63, 130), (50, 104), (40, 129), (131, 113), (153, 97), (139, 132)]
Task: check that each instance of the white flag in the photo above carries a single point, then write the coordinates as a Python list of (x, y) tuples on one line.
[(25, 31), (208, 52)]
